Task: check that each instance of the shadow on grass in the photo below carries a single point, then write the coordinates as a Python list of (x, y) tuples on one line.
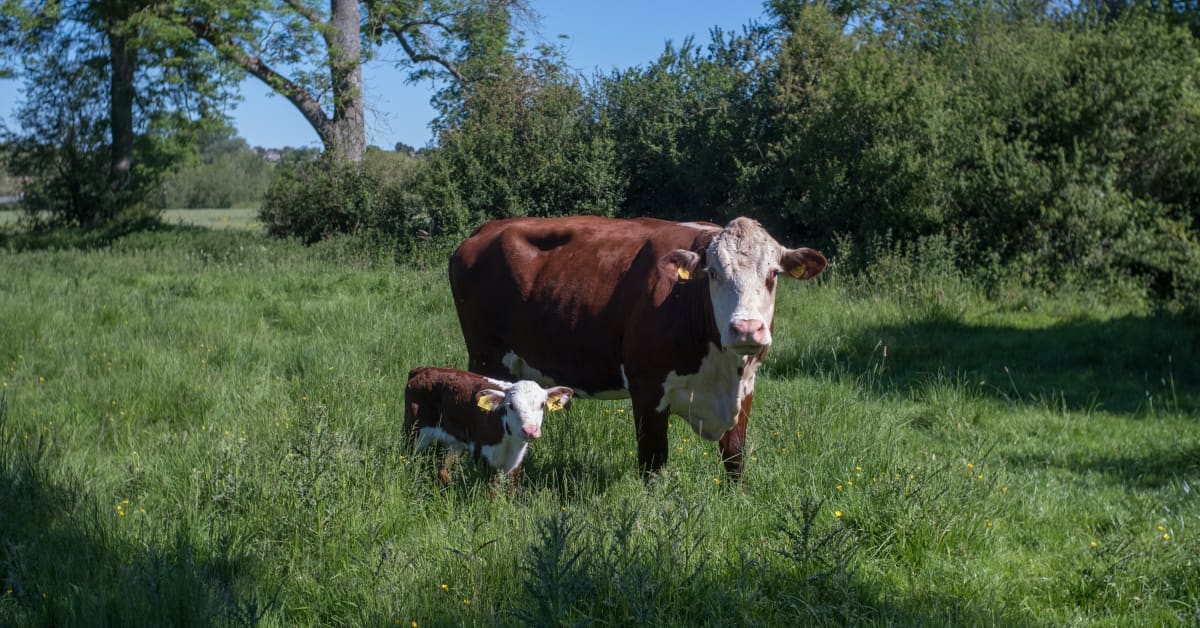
[(63, 561), (1152, 470), (1127, 365)]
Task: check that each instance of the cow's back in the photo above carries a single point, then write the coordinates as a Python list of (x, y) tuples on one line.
[(560, 294)]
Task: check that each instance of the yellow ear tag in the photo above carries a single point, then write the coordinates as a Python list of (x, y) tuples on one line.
[(797, 272), (683, 273), (485, 403), (555, 404)]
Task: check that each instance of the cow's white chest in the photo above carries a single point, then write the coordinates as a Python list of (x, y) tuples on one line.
[(711, 398), (504, 456)]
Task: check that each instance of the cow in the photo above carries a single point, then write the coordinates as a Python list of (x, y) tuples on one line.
[(492, 419), (675, 316)]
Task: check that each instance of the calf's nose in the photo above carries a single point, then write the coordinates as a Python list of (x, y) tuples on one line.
[(531, 431)]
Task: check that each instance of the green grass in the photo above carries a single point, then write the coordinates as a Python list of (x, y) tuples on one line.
[(214, 218), (202, 427)]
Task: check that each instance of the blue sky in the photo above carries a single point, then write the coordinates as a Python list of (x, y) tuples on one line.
[(601, 36)]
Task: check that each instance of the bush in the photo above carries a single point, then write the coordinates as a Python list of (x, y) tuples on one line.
[(320, 198), (523, 141)]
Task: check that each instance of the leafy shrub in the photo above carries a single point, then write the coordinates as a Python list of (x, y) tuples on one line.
[(321, 198), (523, 141)]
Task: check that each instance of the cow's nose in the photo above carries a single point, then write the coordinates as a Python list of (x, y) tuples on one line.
[(531, 431), (748, 331)]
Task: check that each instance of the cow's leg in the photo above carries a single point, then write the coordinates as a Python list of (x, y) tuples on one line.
[(651, 427), (734, 441)]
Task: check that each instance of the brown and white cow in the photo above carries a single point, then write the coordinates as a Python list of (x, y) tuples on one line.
[(494, 420), (675, 316)]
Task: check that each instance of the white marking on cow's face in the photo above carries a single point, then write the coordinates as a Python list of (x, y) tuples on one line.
[(711, 398), (742, 264)]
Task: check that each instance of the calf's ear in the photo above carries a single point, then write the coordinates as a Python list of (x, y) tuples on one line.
[(558, 398), (685, 264), (488, 399), (803, 263)]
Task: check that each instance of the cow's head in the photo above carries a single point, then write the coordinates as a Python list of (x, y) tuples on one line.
[(523, 405), (741, 263)]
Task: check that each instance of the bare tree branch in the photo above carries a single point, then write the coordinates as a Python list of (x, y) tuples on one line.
[(293, 91), (305, 12), (399, 33)]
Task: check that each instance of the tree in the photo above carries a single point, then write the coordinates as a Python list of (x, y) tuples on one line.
[(105, 81), (312, 55)]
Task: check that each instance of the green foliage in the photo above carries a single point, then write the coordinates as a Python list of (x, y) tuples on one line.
[(522, 142), (680, 126), (112, 102), (1063, 148), (64, 144), (226, 174), (312, 200)]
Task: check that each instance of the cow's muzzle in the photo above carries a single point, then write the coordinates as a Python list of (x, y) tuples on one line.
[(747, 336)]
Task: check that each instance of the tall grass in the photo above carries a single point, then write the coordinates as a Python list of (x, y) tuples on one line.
[(201, 428)]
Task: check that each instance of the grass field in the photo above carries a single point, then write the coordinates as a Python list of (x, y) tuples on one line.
[(201, 426)]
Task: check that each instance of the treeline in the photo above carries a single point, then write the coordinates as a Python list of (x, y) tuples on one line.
[(1048, 142), (225, 172), (1060, 143)]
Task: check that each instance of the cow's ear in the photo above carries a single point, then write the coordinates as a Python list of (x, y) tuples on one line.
[(558, 398), (803, 263), (684, 264), (488, 399)]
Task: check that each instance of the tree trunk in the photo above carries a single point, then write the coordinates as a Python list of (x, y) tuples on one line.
[(123, 59), (346, 133)]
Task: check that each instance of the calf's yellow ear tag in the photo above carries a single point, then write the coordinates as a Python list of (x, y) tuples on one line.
[(683, 273), (797, 272), (485, 403), (554, 404)]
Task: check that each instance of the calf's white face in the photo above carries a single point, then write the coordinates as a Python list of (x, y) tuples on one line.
[(524, 404)]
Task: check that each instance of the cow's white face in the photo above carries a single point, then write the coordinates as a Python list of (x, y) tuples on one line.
[(742, 265), (743, 262), (524, 404)]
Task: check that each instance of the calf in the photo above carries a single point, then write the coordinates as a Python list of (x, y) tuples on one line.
[(492, 419)]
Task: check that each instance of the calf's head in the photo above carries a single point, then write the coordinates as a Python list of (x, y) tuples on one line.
[(523, 405), (741, 264)]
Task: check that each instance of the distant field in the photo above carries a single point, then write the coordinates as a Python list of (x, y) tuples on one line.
[(215, 218), (246, 219), (201, 427)]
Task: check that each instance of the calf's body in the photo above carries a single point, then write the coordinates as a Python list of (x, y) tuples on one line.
[(493, 420)]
